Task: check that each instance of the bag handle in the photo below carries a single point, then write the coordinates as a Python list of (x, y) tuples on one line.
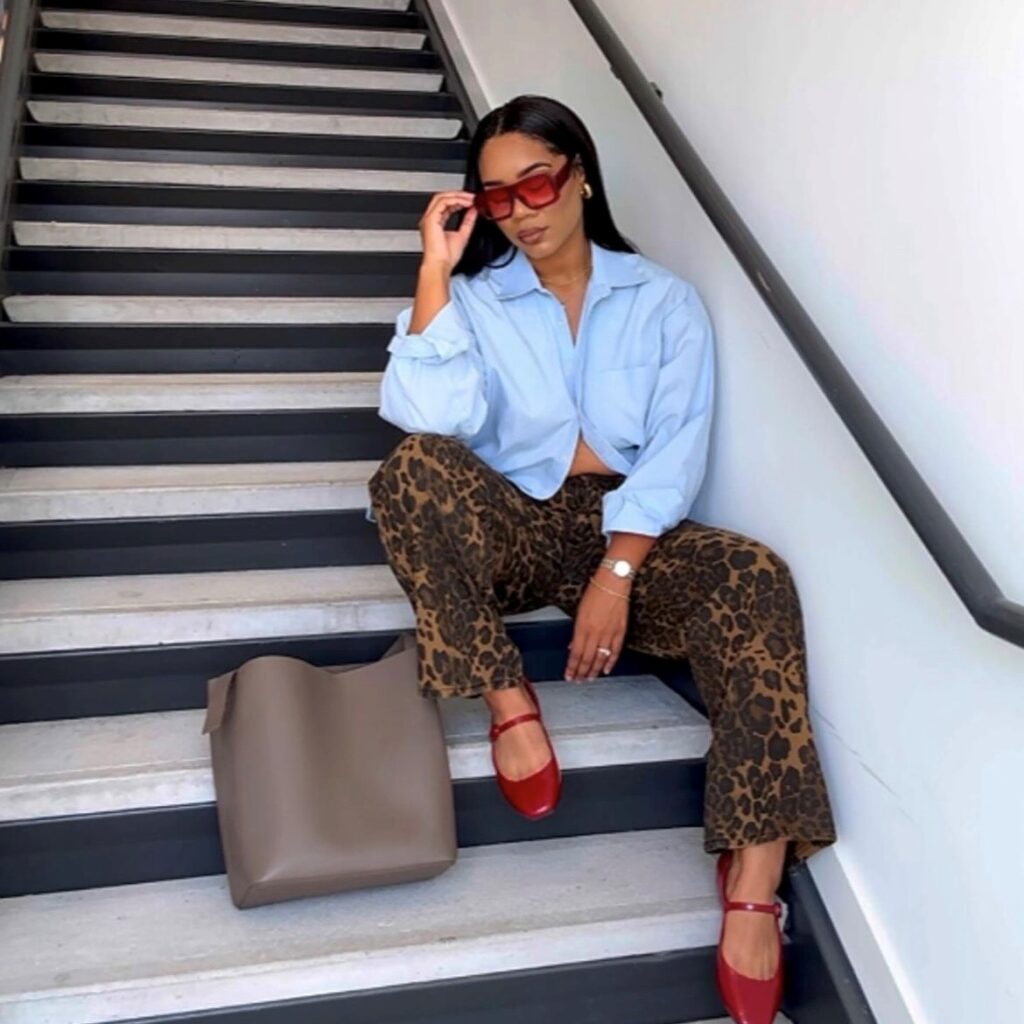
[(218, 689)]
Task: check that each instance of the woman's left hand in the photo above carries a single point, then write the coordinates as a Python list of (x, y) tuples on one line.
[(601, 621)]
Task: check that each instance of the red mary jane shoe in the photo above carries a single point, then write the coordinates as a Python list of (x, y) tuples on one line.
[(537, 795), (750, 1000)]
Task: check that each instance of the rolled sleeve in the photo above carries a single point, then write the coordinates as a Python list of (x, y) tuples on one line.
[(435, 380), (443, 338), (664, 480)]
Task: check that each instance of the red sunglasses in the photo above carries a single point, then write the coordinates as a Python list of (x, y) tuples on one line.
[(536, 191)]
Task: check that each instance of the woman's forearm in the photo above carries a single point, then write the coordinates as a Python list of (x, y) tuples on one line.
[(433, 292)]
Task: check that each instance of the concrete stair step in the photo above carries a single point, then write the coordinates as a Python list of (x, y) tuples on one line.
[(199, 309), (588, 898), (121, 762), (195, 70), (62, 493), (222, 28), (292, 122), (234, 175), (127, 611), (176, 236), (51, 394)]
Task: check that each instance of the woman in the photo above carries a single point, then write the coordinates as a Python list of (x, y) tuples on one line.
[(558, 387)]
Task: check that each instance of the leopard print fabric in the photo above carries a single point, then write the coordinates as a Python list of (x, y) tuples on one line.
[(469, 547)]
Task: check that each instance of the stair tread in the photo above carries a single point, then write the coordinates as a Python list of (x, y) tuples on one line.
[(309, 76), (236, 120), (193, 309), (45, 493), (222, 28), (588, 898), (56, 233), (58, 394), (128, 611), (288, 176), (162, 759)]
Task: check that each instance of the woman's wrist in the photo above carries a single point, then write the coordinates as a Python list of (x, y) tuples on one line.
[(621, 588)]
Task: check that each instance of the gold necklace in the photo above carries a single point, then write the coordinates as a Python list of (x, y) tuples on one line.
[(561, 284)]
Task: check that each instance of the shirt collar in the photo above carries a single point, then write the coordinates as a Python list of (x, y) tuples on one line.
[(610, 269)]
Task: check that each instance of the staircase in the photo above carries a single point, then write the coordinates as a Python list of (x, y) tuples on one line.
[(213, 227)]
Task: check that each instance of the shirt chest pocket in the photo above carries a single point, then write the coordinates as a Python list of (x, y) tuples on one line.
[(617, 402)]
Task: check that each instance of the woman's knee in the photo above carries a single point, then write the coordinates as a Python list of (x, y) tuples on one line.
[(413, 462)]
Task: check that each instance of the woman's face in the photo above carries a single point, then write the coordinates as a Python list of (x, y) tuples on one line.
[(507, 158)]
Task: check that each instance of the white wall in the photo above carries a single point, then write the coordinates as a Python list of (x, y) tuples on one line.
[(874, 147)]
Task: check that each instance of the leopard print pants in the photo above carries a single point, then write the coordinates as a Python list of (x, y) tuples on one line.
[(469, 547)]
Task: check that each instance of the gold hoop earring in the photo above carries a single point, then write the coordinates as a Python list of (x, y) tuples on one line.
[(586, 191)]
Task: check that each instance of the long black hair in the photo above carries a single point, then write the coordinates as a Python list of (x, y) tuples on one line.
[(558, 127)]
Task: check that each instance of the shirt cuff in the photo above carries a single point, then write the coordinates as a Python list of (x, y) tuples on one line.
[(444, 337), (623, 513)]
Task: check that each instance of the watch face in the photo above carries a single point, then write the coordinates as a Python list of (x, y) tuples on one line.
[(622, 567)]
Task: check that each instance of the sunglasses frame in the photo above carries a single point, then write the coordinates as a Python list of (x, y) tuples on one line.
[(507, 193)]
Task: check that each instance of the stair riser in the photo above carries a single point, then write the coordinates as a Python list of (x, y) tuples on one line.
[(125, 547), (73, 41), (289, 14), (274, 266), (77, 684), (140, 439), (237, 211), (84, 851), (253, 348), (300, 99), (207, 284)]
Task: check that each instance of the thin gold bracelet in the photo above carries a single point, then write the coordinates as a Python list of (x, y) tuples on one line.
[(625, 597)]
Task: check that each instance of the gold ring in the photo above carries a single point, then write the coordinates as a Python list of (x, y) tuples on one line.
[(605, 651)]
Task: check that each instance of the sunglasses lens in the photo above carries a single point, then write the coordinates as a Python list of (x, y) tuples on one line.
[(496, 206), (536, 191)]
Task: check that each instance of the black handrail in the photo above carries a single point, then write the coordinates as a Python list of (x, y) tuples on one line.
[(991, 609)]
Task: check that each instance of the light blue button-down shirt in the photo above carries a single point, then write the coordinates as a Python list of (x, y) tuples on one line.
[(497, 368)]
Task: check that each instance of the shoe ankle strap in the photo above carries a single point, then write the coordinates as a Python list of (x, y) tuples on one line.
[(761, 908), (529, 716)]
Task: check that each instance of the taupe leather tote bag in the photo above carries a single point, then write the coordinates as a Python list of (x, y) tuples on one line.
[(328, 779)]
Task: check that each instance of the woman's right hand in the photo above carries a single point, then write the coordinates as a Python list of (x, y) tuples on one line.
[(441, 247)]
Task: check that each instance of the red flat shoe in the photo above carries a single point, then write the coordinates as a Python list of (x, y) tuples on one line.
[(537, 795), (750, 1000), (722, 873)]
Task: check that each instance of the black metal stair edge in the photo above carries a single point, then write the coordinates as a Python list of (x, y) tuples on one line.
[(155, 844), (169, 545), (370, 58), (204, 146), (822, 987), (291, 99), (112, 439), (365, 267), (223, 285), (206, 348), (41, 686), (293, 216), (273, 204), (655, 988), (290, 14)]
